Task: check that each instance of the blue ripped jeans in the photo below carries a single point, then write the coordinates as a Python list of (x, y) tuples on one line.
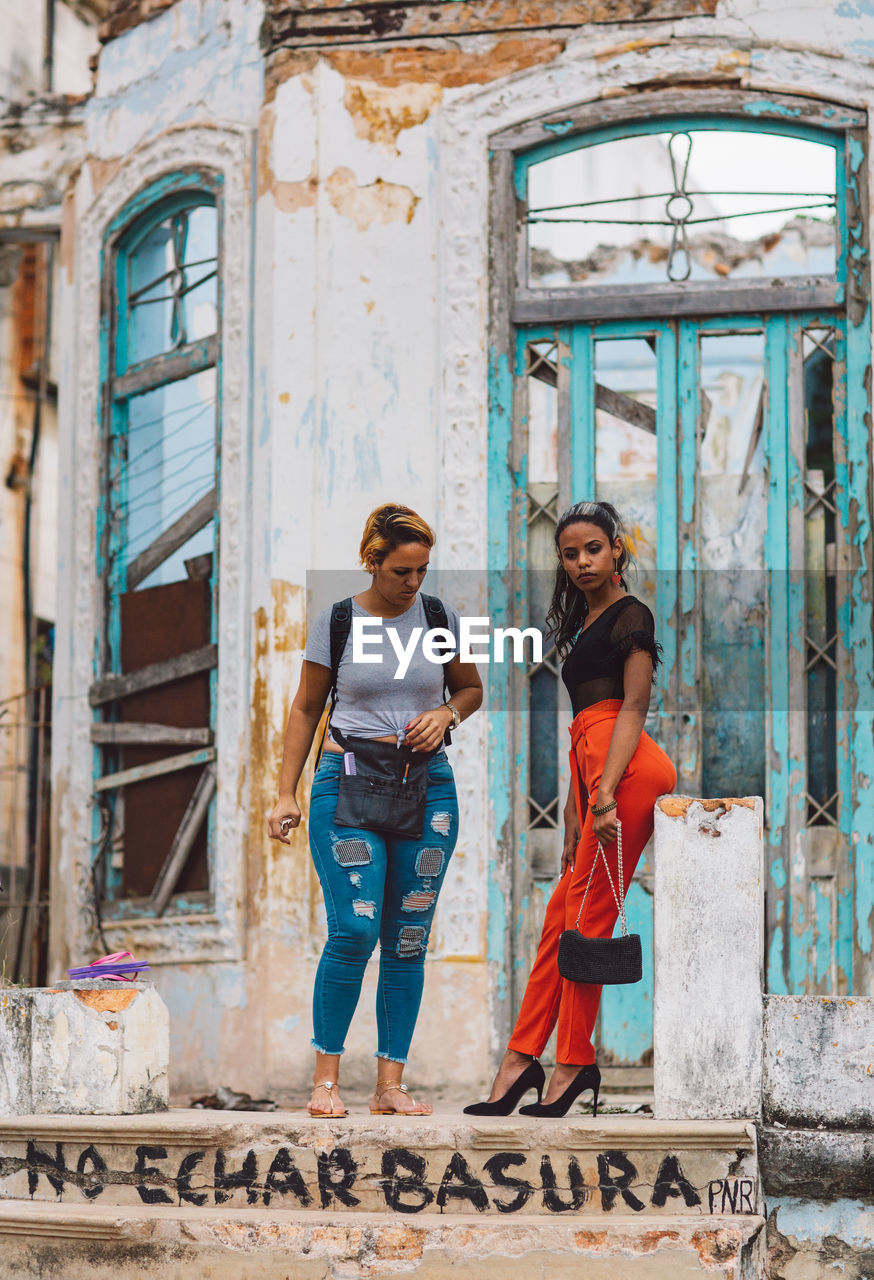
[(382, 887)]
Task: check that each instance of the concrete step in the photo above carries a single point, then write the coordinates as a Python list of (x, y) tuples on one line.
[(99, 1242), (286, 1162)]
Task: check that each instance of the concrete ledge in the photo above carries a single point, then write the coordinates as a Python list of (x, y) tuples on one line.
[(164, 1243), (383, 1166), (819, 1061), (837, 1164), (83, 1048), (183, 1125)]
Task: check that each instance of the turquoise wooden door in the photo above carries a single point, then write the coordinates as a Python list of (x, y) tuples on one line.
[(727, 446), (727, 414)]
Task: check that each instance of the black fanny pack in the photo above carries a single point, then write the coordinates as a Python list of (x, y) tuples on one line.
[(383, 787)]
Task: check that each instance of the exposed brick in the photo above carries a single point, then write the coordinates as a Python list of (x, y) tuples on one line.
[(106, 1001)]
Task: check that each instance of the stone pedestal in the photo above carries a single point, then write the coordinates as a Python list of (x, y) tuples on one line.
[(83, 1048), (708, 949)]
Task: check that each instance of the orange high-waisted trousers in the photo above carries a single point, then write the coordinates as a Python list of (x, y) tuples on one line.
[(549, 997)]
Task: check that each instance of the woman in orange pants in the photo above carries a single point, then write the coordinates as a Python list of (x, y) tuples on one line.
[(606, 638)]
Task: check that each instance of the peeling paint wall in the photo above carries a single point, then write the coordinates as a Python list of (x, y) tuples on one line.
[(357, 301), (347, 210), (38, 153), (811, 1238), (24, 50)]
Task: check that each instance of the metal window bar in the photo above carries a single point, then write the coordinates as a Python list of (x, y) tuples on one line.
[(177, 276), (824, 810), (672, 222), (538, 508), (821, 499), (689, 222), (549, 662), (134, 298), (542, 363), (666, 195), (544, 816), (680, 207), (178, 294)]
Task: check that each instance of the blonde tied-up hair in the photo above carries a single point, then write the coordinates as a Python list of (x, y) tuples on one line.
[(390, 526)]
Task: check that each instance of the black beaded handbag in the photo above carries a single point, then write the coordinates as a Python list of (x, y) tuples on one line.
[(602, 961)]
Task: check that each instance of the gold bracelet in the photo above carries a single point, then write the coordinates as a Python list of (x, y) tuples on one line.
[(597, 810)]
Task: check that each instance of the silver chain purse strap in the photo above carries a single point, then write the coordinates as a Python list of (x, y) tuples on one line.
[(620, 900)]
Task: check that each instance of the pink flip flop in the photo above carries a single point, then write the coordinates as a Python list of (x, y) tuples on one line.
[(121, 967)]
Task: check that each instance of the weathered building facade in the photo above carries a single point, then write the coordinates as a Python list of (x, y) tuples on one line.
[(484, 258), (44, 77)]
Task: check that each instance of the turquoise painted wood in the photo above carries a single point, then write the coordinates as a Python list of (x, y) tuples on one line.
[(820, 913), (663, 124), (171, 194), (505, 767), (624, 1033), (582, 391), (799, 947)]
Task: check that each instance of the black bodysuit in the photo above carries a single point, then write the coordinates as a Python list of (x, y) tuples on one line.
[(593, 669)]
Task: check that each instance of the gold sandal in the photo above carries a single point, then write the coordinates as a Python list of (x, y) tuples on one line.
[(330, 1085), (382, 1088)]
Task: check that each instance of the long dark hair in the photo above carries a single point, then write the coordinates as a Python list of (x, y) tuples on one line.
[(568, 608)]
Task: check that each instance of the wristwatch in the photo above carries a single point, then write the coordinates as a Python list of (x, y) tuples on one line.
[(456, 715)]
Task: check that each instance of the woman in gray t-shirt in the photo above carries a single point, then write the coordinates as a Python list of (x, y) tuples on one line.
[(377, 886)]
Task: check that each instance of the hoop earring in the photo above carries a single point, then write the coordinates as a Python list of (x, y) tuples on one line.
[(617, 576)]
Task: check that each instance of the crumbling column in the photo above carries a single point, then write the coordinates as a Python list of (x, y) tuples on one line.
[(84, 1048), (708, 958)]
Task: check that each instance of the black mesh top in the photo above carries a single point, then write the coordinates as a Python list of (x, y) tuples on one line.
[(594, 667)]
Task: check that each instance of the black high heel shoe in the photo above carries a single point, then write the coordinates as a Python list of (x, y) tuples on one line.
[(533, 1077), (588, 1077)]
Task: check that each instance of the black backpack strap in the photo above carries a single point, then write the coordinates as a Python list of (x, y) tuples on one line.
[(435, 611), (341, 625)]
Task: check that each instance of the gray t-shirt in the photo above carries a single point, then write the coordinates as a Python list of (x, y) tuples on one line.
[(371, 702)]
